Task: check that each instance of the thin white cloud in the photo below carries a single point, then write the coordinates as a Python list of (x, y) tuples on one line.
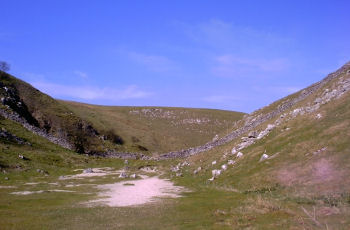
[(154, 63), (81, 74), (91, 92), (231, 37), (232, 66)]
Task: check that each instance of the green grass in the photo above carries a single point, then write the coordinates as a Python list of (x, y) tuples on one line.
[(159, 129)]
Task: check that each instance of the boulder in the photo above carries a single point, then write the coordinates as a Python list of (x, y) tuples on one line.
[(224, 167), (175, 169), (239, 154), (253, 134), (133, 176), (216, 172), (197, 170), (263, 157), (213, 163), (88, 170), (123, 175), (230, 162), (234, 151)]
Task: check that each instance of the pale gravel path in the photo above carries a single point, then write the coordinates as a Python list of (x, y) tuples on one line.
[(143, 191)]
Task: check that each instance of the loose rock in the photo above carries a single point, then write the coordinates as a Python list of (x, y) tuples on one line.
[(224, 167), (216, 172), (197, 170), (263, 157), (133, 176), (123, 175), (233, 151), (88, 170)]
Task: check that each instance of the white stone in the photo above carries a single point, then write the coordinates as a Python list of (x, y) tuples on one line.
[(133, 176), (224, 167), (233, 151), (264, 157), (213, 163), (197, 170), (230, 162), (123, 175), (239, 154), (215, 173)]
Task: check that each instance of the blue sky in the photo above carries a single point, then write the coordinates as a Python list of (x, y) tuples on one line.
[(234, 55)]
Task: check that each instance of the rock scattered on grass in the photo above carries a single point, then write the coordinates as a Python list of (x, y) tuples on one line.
[(224, 167), (233, 151), (133, 176), (264, 157), (197, 170), (216, 172), (216, 138), (88, 170), (123, 175)]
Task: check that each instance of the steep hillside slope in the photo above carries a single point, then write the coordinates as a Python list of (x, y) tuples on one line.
[(291, 169), (158, 129), (44, 116)]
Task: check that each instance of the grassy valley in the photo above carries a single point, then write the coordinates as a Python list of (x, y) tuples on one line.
[(288, 171), (157, 129)]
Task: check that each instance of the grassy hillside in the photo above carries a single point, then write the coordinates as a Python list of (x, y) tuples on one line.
[(40, 110), (91, 129), (157, 129), (303, 184)]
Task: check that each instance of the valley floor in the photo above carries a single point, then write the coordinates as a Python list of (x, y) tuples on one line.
[(77, 200)]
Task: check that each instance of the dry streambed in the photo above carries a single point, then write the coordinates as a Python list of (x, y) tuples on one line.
[(145, 189)]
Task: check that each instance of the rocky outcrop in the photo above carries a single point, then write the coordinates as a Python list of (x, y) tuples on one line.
[(44, 116), (123, 155), (4, 134), (11, 115)]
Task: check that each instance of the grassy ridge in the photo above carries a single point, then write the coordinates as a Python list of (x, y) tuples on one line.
[(308, 175), (45, 112), (157, 129)]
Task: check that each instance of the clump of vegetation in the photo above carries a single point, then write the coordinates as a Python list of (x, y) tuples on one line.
[(114, 138)]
